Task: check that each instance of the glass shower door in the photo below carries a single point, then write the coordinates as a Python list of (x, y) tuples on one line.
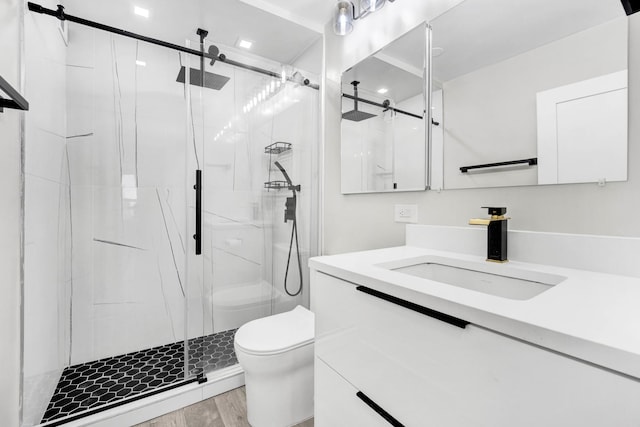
[(114, 326), (243, 123)]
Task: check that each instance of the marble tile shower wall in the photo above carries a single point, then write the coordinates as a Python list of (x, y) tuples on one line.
[(47, 248), (126, 144)]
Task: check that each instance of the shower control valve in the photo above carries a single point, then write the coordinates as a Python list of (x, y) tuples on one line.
[(290, 209)]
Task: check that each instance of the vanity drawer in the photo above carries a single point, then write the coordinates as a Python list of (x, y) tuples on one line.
[(428, 372), (337, 403)]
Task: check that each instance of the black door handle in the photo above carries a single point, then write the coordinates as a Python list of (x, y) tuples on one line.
[(460, 323), (198, 235), (384, 414)]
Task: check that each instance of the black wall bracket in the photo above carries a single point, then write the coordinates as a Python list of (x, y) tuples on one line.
[(631, 6), (213, 53), (15, 101)]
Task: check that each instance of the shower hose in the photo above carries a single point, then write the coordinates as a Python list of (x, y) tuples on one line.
[(294, 233)]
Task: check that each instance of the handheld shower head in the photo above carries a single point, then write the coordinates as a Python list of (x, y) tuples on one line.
[(290, 214), (286, 176)]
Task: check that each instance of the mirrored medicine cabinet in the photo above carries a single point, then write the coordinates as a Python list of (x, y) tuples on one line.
[(529, 92), (383, 132)]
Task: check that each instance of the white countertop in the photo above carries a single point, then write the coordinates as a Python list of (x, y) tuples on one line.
[(591, 316)]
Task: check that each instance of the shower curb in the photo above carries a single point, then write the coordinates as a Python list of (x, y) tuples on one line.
[(157, 405)]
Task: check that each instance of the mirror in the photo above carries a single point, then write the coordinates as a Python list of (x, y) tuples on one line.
[(383, 133), (529, 92)]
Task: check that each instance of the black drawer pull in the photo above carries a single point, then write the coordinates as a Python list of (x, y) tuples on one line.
[(384, 414), (415, 307)]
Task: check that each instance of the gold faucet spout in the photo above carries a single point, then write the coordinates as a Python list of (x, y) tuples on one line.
[(487, 221), (479, 221)]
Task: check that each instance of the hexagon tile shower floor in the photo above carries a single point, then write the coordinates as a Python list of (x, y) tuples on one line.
[(119, 378)]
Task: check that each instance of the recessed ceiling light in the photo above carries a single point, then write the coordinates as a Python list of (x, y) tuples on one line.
[(141, 11), (245, 44), (383, 90), (141, 63)]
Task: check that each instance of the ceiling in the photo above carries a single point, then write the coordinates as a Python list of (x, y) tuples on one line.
[(477, 33), (313, 14), (274, 37)]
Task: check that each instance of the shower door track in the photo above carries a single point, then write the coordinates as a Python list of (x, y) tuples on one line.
[(62, 16)]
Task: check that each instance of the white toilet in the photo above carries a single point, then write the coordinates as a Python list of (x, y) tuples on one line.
[(276, 353)]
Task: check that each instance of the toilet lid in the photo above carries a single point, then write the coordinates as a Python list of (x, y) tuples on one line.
[(277, 333)]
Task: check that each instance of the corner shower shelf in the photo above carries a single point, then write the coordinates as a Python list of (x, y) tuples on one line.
[(276, 185), (277, 148)]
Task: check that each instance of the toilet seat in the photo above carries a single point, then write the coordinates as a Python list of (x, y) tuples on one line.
[(277, 334)]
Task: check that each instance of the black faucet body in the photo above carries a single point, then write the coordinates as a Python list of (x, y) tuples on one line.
[(497, 241), (496, 233)]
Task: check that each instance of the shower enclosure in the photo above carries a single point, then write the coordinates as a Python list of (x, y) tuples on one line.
[(117, 304)]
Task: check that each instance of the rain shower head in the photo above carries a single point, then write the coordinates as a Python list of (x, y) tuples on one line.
[(211, 80), (356, 115)]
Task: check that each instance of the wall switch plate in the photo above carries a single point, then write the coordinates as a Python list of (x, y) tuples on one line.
[(406, 213)]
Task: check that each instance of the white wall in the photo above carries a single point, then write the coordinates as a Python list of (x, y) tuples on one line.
[(311, 60), (358, 222), (10, 217), (490, 113)]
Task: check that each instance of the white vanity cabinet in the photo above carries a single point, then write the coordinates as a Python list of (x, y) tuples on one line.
[(419, 370)]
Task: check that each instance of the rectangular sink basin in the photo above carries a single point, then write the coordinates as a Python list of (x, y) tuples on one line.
[(509, 283)]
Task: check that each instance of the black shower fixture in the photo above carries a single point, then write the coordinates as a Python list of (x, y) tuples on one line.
[(15, 101), (290, 204), (211, 80), (631, 6), (212, 54), (196, 76), (356, 115), (290, 215)]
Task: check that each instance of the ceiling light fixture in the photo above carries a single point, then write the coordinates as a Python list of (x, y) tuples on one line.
[(369, 6), (141, 63), (343, 18), (383, 90), (245, 44), (141, 11), (345, 14)]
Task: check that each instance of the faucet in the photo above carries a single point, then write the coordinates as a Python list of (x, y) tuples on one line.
[(496, 233)]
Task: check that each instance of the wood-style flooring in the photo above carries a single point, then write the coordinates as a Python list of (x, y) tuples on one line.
[(225, 410)]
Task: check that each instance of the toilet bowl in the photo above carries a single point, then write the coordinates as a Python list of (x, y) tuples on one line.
[(276, 353)]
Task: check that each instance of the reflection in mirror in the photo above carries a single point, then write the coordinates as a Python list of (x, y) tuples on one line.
[(383, 134), (538, 87)]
